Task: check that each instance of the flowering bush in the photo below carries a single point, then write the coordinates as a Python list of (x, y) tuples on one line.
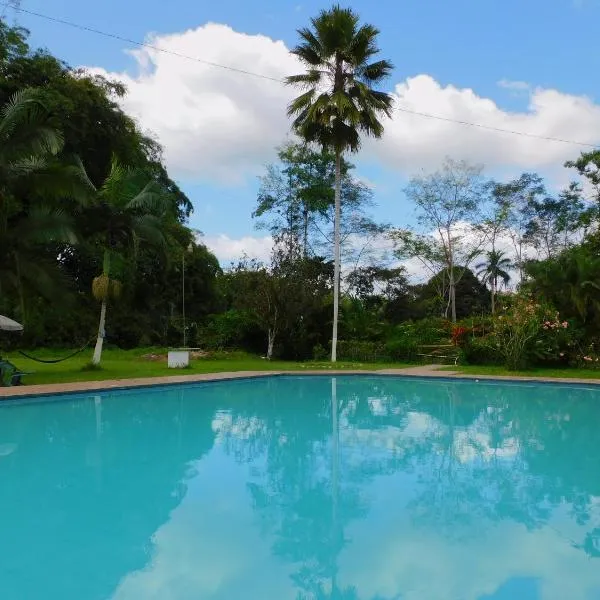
[(528, 332), (588, 356), (459, 335)]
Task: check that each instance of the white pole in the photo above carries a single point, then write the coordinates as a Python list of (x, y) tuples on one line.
[(183, 297)]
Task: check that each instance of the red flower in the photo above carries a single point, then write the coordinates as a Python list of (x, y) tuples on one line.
[(458, 334)]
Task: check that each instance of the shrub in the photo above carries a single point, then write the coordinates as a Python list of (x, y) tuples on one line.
[(481, 351), (230, 329), (402, 349), (361, 351), (459, 335), (528, 333), (426, 331), (320, 352)]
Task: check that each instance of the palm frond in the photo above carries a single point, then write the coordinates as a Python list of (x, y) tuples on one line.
[(301, 104), (149, 229), (43, 224), (339, 103), (39, 177), (311, 78), (150, 199), (119, 186), (374, 72), (24, 127), (308, 55)]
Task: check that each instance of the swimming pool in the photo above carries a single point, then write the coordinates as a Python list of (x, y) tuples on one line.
[(353, 487)]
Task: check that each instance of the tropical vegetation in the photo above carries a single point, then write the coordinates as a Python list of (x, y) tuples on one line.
[(95, 235), (339, 102)]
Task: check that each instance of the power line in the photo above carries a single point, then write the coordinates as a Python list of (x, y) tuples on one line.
[(491, 128), (114, 36)]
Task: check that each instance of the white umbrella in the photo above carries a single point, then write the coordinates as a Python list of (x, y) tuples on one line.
[(7, 324)]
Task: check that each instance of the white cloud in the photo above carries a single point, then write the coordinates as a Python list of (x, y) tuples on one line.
[(213, 123), (419, 564), (228, 249), (221, 124), (222, 556), (412, 142)]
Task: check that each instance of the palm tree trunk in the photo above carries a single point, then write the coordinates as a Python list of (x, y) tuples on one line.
[(101, 332), (493, 296), (336, 253), (100, 340)]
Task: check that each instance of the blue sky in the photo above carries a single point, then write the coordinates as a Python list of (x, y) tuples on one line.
[(452, 58)]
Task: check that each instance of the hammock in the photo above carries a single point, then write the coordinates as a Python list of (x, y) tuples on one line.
[(54, 360)]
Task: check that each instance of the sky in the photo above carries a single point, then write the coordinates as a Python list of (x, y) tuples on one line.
[(530, 66)]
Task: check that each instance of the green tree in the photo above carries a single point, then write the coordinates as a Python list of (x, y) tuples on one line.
[(517, 199), (45, 214), (570, 283), (448, 204), (295, 192), (36, 193), (285, 298), (85, 108), (495, 268), (588, 166), (555, 223), (472, 297), (339, 102), (129, 210)]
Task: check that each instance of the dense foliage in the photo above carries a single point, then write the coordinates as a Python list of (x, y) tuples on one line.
[(91, 225), (63, 136)]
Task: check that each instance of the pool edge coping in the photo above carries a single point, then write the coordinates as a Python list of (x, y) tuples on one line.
[(426, 372)]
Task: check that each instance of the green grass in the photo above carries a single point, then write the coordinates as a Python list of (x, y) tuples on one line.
[(570, 373), (127, 364)]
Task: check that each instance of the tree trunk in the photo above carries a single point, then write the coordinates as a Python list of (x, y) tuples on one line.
[(493, 296), (452, 291), (100, 341), (305, 225), (336, 253), (451, 281), (270, 343), (22, 318)]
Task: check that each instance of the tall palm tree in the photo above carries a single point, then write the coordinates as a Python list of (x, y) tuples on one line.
[(129, 209), (339, 102), (36, 197), (495, 268)]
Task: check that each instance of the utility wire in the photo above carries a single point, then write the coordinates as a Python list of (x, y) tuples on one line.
[(114, 36), (491, 128)]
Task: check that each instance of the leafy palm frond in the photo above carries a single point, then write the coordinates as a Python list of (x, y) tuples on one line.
[(339, 103), (25, 128), (151, 199), (42, 225)]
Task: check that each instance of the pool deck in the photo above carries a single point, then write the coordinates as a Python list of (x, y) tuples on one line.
[(418, 371)]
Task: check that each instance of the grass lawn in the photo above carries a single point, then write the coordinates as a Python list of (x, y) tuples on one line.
[(571, 373), (127, 364)]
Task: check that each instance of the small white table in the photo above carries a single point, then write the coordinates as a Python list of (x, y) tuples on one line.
[(178, 358)]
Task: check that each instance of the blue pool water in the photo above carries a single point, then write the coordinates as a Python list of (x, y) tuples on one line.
[(312, 488)]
